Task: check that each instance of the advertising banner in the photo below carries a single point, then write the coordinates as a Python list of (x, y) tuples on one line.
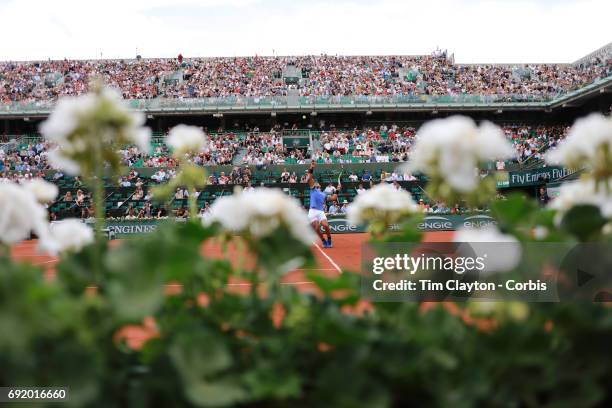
[(450, 222), (338, 225), (533, 177)]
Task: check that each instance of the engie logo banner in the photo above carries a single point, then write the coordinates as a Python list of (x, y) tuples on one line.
[(429, 223), (338, 225)]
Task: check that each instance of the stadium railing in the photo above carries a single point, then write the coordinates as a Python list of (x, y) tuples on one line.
[(278, 168)]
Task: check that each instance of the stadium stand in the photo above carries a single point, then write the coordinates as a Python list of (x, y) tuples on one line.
[(308, 76), (374, 149), (326, 118), (381, 144)]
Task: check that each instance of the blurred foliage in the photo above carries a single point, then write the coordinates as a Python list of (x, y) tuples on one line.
[(207, 344)]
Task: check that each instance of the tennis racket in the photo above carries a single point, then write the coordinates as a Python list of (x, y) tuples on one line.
[(339, 183)]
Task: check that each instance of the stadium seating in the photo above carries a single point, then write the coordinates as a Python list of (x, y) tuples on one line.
[(226, 80), (261, 149)]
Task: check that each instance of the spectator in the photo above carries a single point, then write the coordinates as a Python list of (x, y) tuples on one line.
[(543, 197), (344, 208), (333, 208), (330, 189)]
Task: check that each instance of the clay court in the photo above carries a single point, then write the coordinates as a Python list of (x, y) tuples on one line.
[(344, 256)]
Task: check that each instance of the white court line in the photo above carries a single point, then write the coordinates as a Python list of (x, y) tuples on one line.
[(331, 261), (298, 283), (282, 283), (44, 262)]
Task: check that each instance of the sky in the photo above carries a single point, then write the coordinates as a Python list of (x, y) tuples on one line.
[(495, 31)]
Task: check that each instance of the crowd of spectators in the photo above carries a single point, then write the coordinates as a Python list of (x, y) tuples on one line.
[(24, 158), (393, 143), (318, 76), (220, 150), (532, 142), (238, 176), (380, 144), (262, 149), (19, 176)]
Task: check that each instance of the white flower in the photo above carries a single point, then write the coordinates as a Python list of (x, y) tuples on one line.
[(65, 118), (585, 139), (484, 242), (69, 127), (20, 214), (454, 147), (134, 130), (260, 213), (67, 235), (141, 137), (540, 232), (59, 161), (383, 202), (44, 191), (583, 192), (186, 139)]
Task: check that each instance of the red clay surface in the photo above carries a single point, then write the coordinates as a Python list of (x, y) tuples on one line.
[(344, 256)]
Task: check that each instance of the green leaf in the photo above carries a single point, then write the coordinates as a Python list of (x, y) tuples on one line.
[(268, 380), (200, 357), (220, 393), (199, 354), (516, 209), (275, 251), (76, 270), (345, 281), (583, 221)]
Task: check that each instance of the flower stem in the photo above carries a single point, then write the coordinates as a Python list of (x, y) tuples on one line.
[(97, 184), (5, 250), (193, 204)]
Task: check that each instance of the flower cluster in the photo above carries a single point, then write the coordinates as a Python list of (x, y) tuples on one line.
[(583, 192), (450, 150), (22, 213), (69, 235), (589, 144), (383, 203), (86, 129), (482, 240), (260, 213), (44, 191), (185, 140)]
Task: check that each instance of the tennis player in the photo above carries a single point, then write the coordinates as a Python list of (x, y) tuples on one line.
[(316, 213)]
